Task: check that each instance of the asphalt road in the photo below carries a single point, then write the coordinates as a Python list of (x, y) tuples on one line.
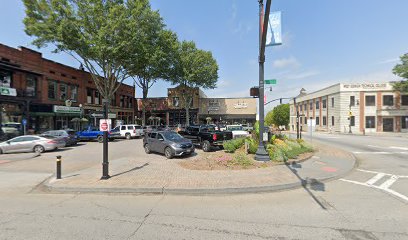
[(348, 208)]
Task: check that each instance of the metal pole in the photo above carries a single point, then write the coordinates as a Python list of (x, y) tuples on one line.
[(350, 118), (58, 167), (261, 153), (297, 118), (105, 163)]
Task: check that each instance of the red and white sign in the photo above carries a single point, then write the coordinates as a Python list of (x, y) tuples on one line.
[(105, 125)]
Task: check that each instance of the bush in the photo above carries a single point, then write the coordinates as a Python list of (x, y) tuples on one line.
[(282, 150), (232, 145), (252, 145), (243, 160)]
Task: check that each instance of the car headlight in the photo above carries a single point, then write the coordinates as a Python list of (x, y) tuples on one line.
[(176, 145)]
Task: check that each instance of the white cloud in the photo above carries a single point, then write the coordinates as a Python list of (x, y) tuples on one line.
[(302, 75), (223, 83), (290, 62)]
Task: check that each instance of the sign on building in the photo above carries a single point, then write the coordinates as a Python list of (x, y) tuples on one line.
[(8, 91), (66, 109)]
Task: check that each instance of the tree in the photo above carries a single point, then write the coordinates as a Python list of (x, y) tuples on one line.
[(268, 118), (281, 115), (401, 70), (195, 68), (157, 61)]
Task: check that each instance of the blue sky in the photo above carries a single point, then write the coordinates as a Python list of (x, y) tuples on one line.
[(324, 42)]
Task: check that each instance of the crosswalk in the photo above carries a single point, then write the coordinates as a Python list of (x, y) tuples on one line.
[(385, 186), (388, 150)]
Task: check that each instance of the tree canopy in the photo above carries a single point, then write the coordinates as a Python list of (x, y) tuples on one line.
[(401, 70), (269, 119), (99, 34), (281, 115)]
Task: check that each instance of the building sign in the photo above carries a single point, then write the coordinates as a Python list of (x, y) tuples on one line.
[(8, 91), (366, 86), (66, 109), (240, 105), (213, 108), (100, 115)]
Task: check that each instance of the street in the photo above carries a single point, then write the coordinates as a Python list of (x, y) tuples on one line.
[(348, 208)]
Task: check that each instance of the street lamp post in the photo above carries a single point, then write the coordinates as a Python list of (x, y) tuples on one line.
[(261, 153), (350, 118), (105, 163)]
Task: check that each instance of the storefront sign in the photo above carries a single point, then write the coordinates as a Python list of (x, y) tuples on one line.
[(240, 105), (366, 86), (213, 108), (100, 115), (66, 109), (8, 91)]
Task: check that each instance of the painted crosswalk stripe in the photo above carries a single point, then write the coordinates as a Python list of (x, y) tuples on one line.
[(375, 178), (389, 182), (400, 148)]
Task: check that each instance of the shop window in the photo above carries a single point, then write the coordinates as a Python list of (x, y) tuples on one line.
[(388, 100), (317, 121), (63, 91), (324, 103), (404, 100), (404, 122), (89, 95), (324, 121), (31, 85), (370, 122), (352, 121), (176, 101), (74, 93), (352, 101), (317, 105), (52, 89), (370, 100)]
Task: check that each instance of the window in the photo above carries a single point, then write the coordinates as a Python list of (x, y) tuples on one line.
[(370, 122), (52, 89), (300, 107), (404, 122), (176, 102), (63, 91), (352, 100), (129, 127), (388, 100), (324, 103), (160, 136), (324, 121), (89, 95), (305, 107), (317, 121), (5, 79), (332, 102), (370, 100), (74, 93), (123, 128), (130, 102), (305, 120), (404, 100), (317, 105), (113, 100), (153, 135), (332, 120), (31, 84), (97, 97), (352, 121), (122, 101), (311, 105)]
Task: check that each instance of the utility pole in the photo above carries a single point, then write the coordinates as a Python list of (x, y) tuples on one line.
[(261, 153), (105, 163), (297, 118)]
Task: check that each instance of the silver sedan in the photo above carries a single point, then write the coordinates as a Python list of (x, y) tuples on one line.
[(31, 143)]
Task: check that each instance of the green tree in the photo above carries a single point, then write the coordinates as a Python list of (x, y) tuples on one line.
[(281, 115), (99, 34), (195, 68), (401, 70), (268, 119)]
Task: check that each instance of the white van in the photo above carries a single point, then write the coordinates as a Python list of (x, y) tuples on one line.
[(129, 131)]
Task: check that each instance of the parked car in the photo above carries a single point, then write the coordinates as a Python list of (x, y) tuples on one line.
[(168, 143), (247, 127), (31, 143), (129, 131), (206, 136), (92, 133), (222, 127), (238, 131), (11, 128), (68, 135), (148, 128)]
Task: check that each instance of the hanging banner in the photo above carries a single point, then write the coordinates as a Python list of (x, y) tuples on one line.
[(274, 33)]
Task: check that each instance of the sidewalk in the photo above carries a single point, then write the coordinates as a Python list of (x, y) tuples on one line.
[(168, 177)]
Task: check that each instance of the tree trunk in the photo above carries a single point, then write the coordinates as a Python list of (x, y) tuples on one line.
[(188, 115), (145, 92)]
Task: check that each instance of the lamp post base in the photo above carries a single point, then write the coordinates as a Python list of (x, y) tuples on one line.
[(261, 154)]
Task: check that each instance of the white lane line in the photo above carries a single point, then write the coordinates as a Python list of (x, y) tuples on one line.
[(373, 152), (392, 192), (400, 148), (373, 146), (389, 182), (375, 178), (387, 174)]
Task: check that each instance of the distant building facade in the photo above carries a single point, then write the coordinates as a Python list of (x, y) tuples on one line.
[(355, 107)]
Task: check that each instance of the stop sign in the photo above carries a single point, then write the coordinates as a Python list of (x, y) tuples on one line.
[(104, 126)]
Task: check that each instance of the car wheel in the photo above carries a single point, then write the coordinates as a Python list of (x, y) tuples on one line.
[(39, 149), (206, 146), (100, 139), (168, 153), (128, 137), (147, 148)]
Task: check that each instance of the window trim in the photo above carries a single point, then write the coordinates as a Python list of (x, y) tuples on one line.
[(55, 89)]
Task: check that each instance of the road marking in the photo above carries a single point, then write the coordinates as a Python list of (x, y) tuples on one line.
[(400, 148), (375, 146), (389, 182), (387, 174), (373, 152), (375, 178)]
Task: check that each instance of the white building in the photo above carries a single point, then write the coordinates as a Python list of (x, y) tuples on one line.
[(365, 107)]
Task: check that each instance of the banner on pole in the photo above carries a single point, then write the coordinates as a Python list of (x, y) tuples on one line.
[(274, 33)]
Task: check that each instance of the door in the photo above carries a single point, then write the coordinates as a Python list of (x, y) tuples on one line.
[(388, 125), (152, 140), (160, 143), (12, 145)]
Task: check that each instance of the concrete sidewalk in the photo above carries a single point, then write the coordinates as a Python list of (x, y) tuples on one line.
[(168, 177)]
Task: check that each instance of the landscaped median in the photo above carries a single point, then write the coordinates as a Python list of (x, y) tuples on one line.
[(239, 154)]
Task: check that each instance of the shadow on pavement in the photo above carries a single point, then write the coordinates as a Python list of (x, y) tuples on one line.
[(133, 169), (313, 183)]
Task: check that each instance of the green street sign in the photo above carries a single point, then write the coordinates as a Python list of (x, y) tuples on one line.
[(270, 81)]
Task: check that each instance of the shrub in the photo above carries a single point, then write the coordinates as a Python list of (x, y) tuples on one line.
[(276, 153), (234, 144), (252, 145), (238, 142), (243, 160)]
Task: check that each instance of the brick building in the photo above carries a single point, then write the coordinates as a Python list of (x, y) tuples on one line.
[(50, 95), (359, 108)]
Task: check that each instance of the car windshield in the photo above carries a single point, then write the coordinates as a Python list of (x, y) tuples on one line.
[(235, 128), (172, 136), (208, 128)]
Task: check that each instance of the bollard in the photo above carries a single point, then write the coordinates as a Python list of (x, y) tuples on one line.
[(58, 167)]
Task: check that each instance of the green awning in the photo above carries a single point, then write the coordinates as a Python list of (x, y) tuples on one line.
[(47, 114)]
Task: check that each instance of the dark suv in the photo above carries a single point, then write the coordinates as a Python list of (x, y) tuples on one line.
[(168, 143)]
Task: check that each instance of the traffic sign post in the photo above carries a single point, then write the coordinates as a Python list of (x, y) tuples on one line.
[(24, 122), (105, 125)]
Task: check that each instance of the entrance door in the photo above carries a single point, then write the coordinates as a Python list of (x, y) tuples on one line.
[(388, 125)]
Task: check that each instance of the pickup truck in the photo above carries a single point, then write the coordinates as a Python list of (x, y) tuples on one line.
[(206, 136), (92, 133)]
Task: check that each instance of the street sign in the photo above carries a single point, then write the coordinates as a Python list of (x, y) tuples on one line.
[(24, 122), (105, 125), (270, 81)]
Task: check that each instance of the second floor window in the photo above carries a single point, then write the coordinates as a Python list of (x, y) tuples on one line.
[(370, 100), (352, 101), (317, 104), (5, 79), (63, 91), (52, 89), (311, 105), (404, 100), (31, 84), (89, 95), (74, 93), (97, 98), (332, 102), (324, 103), (388, 100), (176, 102)]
